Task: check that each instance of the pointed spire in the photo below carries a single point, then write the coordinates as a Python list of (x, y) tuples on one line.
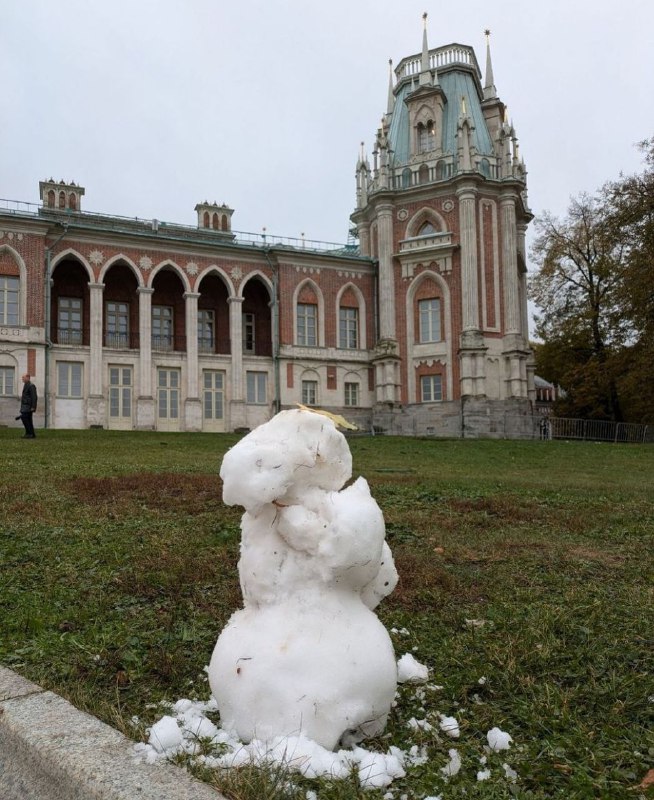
[(391, 97), (489, 87), (425, 72)]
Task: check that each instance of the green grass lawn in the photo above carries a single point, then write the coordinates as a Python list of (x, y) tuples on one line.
[(118, 571)]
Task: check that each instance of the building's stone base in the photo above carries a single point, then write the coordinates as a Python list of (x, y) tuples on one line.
[(469, 418)]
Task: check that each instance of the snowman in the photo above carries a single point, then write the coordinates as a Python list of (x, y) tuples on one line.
[(306, 655)]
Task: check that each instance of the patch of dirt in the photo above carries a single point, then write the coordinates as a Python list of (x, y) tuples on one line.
[(163, 491)]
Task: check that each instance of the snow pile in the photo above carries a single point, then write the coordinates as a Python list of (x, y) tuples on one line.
[(411, 671), (306, 656), (498, 739), (191, 732)]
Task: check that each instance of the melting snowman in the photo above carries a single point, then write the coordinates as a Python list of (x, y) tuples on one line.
[(306, 655)]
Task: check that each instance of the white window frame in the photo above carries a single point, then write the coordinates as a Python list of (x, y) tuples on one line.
[(431, 388), (348, 327), (351, 391), (7, 381), (213, 394), (310, 392), (121, 383), (70, 380), (256, 387), (307, 325), (169, 393), (429, 320), (9, 296)]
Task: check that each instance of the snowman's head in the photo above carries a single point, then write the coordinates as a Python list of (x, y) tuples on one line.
[(280, 460)]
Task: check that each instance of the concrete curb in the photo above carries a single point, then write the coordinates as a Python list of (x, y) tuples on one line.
[(49, 750)]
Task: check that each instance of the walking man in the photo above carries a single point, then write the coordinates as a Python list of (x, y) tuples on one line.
[(28, 406)]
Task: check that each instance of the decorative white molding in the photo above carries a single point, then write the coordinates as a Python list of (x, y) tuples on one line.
[(448, 205), (145, 263), (96, 257), (236, 273), (192, 268), (402, 214), (10, 235)]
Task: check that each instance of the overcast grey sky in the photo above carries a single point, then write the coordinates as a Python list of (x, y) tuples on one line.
[(155, 105)]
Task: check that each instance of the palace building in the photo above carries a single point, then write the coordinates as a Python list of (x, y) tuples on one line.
[(419, 325)]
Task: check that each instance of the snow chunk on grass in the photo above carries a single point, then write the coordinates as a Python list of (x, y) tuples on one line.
[(165, 735), (483, 774), (450, 726), (498, 739), (411, 671), (453, 765)]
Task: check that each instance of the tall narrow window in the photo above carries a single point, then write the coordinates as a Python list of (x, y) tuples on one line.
[(206, 331), (249, 328), (9, 297), (431, 388), (348, 327), (168, 393), (307, 324), (120, 392), (7, 381), (162, 328), (116, 324), (351, 394), (69, 379), (310, 393), (430, 320), (426, 137), (69, 320), (257, 385), (213, 393)]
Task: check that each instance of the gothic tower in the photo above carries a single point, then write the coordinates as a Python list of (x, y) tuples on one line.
[(444, 212)]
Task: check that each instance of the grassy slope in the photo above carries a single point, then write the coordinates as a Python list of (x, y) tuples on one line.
[(119, 570)]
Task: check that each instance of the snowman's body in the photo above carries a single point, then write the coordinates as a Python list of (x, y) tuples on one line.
[(306, 654)]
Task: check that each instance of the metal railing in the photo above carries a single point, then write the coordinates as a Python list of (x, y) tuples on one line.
[(174, 229), (584, 430)]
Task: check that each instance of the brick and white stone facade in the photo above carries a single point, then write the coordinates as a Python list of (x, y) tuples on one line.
[(422, 328)]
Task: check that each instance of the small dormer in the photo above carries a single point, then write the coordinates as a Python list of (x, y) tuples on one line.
[(61, 196), (214, 217)]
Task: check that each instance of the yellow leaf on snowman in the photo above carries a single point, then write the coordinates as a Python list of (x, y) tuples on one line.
[(337, 419)]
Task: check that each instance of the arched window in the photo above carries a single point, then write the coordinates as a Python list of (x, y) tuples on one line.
[(51, 199), (426, 137), (206, 220), (484, 167), (9, 300), (406, 178), (441, 170), (307, 324), (62, 199), (215, 224), (423, 174), (426, 229), (429, 320), (72, 201), (225, 226)]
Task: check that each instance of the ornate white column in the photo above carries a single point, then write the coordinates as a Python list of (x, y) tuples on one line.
[(237, 404), (96, 410), (510, 266), (472, 352), (192, 405), (386, 276), (469, 273), (145, 400)]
